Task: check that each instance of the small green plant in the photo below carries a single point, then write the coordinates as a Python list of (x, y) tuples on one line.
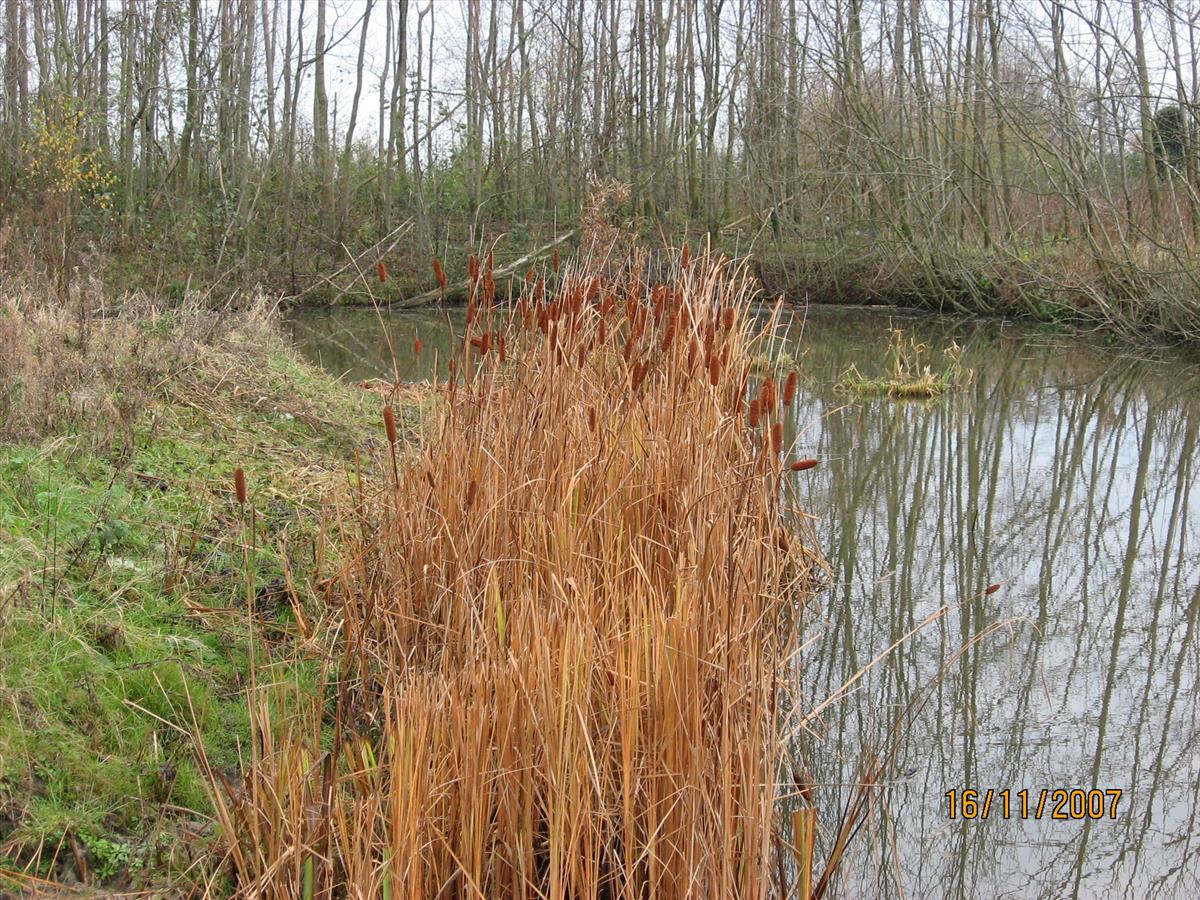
[(111, 856), (910, 375)]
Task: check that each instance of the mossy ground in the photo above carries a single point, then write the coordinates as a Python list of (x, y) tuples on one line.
[(123, 612)]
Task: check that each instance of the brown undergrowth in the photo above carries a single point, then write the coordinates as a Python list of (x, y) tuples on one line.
[(561, 635), (95, 364)]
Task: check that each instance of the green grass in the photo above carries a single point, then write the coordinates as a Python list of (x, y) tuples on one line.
[(122, 604)]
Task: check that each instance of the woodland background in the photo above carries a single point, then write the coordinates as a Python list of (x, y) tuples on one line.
[(1021, 156)]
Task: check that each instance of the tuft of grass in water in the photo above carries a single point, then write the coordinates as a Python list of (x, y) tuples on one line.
[(910, 375), (772, 362), (559, 640)]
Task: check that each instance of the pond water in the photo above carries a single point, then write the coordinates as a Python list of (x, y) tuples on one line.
[(1066, 473)]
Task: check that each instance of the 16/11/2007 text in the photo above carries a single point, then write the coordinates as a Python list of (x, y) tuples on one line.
[(1063, 804)]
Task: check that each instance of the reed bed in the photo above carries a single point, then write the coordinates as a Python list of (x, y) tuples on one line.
[(563, 631)]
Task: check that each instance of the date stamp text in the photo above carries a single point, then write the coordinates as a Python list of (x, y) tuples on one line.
[(1067, 804)]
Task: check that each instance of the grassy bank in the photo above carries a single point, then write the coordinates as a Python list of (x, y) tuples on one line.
[(1131, 292), (122, 607)]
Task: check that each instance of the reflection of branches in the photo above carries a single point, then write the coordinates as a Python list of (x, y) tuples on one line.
[(1045, 452)]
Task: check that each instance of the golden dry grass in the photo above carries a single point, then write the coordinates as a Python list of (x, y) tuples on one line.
[(563, 630)]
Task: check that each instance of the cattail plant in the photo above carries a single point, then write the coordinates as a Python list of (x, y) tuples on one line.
[(389, 427), (440, 274), (547, 681), (381, 271), (789, 389)]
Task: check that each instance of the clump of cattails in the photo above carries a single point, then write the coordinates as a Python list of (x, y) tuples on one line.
[(528, 562)]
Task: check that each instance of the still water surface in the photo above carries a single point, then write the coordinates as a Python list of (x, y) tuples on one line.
[(1066, 472)]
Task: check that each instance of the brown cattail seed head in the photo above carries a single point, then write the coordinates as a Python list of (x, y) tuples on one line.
[(473, 268), (728, 320), (639, 373), (801, 464), (381, 271), (417, 347), (714, 371), (766, 394), (668, 336), (389, 424), (755, 413), (789, 389), (439, 273), (686, 256), (239, 485), (777, 438), (991, 589), (556, 260)]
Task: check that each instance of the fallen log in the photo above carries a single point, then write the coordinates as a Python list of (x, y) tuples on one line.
[(464, 286)]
